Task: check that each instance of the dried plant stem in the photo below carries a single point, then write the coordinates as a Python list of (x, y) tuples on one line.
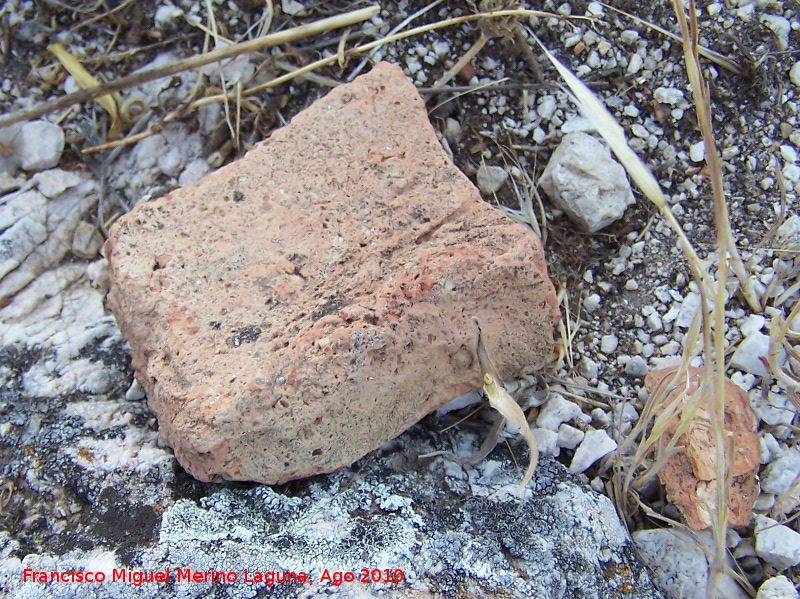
[(139, 77), (715, 57), (399, 27), (464, 61), (714, 383), (702, 100)]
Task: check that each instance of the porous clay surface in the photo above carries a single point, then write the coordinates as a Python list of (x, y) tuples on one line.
[(298, 308)]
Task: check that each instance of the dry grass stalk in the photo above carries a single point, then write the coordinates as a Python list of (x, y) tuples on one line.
[(715, 57), (323, 62), (702, 101), (86, 81), (634, 471), (139, 77), (501, 401), (726, 247), (525, 214)]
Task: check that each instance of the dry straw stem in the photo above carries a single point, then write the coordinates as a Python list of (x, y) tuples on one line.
[(139, 77), (715, 57), (699, 337), (725, 247), (702, 101), (661, 414), (87, 81), (525, 214), (323, 62), (779, 335)]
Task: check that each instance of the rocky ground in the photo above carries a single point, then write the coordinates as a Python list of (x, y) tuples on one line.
[(88, 483)]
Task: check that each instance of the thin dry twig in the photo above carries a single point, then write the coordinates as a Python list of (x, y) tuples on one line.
[(140, 77), (702, 100), (715, 57)]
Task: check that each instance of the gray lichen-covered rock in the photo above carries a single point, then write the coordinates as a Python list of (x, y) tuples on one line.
[(296, 309), (586, 182), (679, 562), (422, 528)]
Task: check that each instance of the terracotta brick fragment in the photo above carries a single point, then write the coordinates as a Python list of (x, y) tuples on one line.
[(690, 474), (296, 309)]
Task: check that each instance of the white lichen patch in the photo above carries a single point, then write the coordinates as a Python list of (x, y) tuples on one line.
[(101, 415), (139, 450)]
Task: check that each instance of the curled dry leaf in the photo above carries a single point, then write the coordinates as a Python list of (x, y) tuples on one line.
[(85, 80), (501, 401)]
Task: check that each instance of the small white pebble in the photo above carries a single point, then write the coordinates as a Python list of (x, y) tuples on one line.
[(609, 343), (629, 36), (637, 366), (594, 9), (639, 131), (777, 587), (668, 95), (588, 368), (595, 445), (441, 48), (569, 437), (557, 410), (601, 417), (788, 153), (794, 74), (752, 324), (630, 110), (546, 441), (591, 303), (670, 348), (777, 544), (166, 14), (653, 322), (547, 107), (697, 151), (635, 64)]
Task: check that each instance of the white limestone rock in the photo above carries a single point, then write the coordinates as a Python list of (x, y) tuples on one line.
[(54, 182), (586, 183), (546, 441), (668, 95), (777, 544), (794, 74), (679, 566), (491, 178), (781, 473), (39, 145), (777, 587), (748, 354), (557, 410), (86, 241), (166, 16), (595, 445), (569, 437), (608, 344)]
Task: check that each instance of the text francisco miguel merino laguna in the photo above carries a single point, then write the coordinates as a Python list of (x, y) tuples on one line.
[(139, 577)]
